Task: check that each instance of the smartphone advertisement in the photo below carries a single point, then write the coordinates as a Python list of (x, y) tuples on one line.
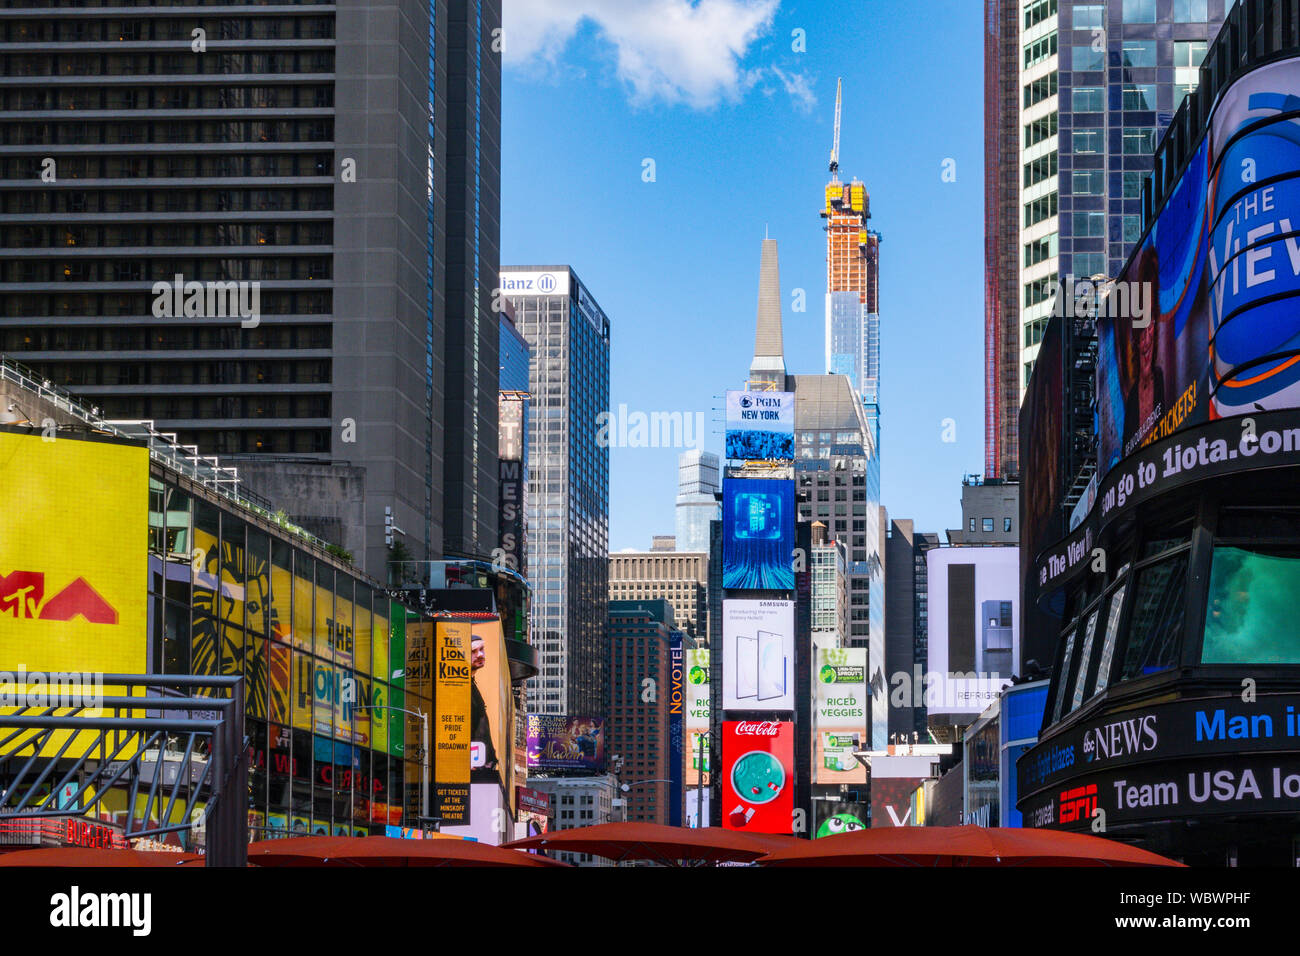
[(758, 655), (758, 776)]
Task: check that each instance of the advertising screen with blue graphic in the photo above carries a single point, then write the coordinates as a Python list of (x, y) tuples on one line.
[(758, 534), (1216, 329), (760, 426)]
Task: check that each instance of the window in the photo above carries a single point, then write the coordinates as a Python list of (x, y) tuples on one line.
[(1139, 140), (1089, 224), (1138, 53), (1138, 96), (1062, 682), (1139, 11), (1192, 11), (1085, 656), (1187, 61), (1133, 184), (1088, 99), (1090, 263), (1037, 170), (1108, 644), (972, 524), (1086, 58), (1040, 89), (1089, 17), (1040, 50), (1040, 129), (1006, 525), (1040, 209), (1132, 228), (987, 524), (1087, 141), (1037, 11), (1157, 617), (1088, 182), (1040, 250)]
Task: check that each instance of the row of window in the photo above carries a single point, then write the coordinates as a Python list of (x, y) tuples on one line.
[(193, 199), (297, 96), (42, 304), (170, 234), (189, 337), (1040, 50), (1044, 207), (165, 64), (150, 270), (188, 372), (128, 30), (81, 132)]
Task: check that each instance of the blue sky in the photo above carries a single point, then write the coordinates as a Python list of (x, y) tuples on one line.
[(738, 124)]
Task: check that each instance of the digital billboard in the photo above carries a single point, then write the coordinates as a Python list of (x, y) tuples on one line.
[(73, 574), (559, 742), (757, 655), (451, 730), (839, 714), (758, 534), (973, 646), (697, 715), (758, 776), (491, 708), (760, 425), (833, 818), (1216, 328)]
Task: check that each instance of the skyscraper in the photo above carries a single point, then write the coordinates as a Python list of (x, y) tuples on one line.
[(679, 577), (334, 169), (852, 285), (568, 485), (1098, 82), (698, 484)]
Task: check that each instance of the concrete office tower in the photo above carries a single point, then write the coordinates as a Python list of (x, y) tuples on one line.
[(568, 485), (331, 168), (678, 577), (907, 623), (990, 512), (698, 485), (1098, 84), (1001, 237), (828, 564)]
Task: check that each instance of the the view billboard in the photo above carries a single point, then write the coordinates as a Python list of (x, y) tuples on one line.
[(73, 573), (758, 776), (760, 425), (758, 534), (973, 646), (559, 742), (758, 655), (839, 714), (1216, 327)]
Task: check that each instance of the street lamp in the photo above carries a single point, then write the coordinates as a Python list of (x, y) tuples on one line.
[(424, 749)]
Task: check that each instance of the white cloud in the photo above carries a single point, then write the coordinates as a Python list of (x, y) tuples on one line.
[(799, 86), (680, 51)]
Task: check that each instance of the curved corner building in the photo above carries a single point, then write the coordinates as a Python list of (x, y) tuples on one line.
[(1167, 610)]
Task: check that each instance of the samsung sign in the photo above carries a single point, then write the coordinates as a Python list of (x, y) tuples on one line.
[(535, 283)]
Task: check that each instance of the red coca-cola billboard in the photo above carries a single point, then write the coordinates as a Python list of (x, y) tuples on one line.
[(758, 776)]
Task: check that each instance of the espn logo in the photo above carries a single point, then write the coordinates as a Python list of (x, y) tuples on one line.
[(1079, 803)]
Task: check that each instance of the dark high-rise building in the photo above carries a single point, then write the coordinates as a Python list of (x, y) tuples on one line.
[(907, 597), (272, 230), (638, 725), (568, 485)]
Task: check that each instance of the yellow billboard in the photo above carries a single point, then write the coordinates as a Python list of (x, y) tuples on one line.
[(451, 732), (73, 553)]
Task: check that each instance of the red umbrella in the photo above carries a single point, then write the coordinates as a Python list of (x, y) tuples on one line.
[(963, 846), (662, 844), (385, 851), (86, 857)]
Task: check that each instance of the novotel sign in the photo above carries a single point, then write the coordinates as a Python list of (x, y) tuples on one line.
[(535, 283)]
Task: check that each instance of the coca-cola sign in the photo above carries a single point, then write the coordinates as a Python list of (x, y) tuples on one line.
[(758, 728), (758, 776)]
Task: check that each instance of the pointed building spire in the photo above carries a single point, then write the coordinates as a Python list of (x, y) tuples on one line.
[(768, 367)]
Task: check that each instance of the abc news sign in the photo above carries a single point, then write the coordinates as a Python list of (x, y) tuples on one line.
[(1064, 779)]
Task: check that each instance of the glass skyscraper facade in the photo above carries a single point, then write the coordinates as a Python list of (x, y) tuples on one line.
[(697, 486), (1099, 82), (568, 486)]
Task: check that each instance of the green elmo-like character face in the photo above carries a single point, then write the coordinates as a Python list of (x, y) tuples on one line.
[(840, 823), (827, 674)]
